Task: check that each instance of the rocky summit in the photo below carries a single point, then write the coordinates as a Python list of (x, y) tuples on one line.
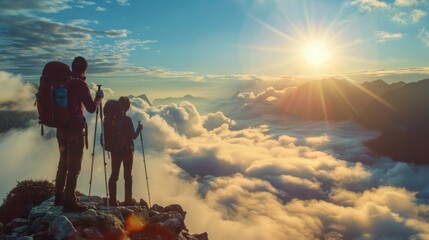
[(47, 221)]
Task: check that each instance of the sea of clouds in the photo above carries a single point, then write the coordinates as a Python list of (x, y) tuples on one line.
[(243, 171)]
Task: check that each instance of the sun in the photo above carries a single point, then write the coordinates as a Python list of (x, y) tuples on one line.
[(316, 53)]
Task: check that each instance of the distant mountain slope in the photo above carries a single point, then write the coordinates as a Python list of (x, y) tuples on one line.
[(399, 110), (404, 120), (327, 99), (197, 101), (404, 107), (14, 119), (380, 87), (143, 96)]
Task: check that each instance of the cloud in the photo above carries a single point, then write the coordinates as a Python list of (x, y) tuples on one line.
[(409, 17), (85, 3), (216, 120), (383, 36), (263, 178), (123, 2), (406, 3), (424, 36), (100, 9), (417, 15), (47, 6), (15, 95), (28, 40), (369, 5)]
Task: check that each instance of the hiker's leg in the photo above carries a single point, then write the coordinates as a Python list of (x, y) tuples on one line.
[(114, 176), (128, 177), (60, 178), (74, 161)]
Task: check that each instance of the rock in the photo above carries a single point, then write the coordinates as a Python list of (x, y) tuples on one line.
[(47, 221), (62, 228), (37, 225), (17, 222), (25, 238), (176, 208), (152, 213), (115, 211), (40, 210), (51, 214), (126, 212), (144, 204), (171, 220), (110, 226), (42, 235), (21, 229), (92, 233), (156, 208), (201, 236), (184, 235)]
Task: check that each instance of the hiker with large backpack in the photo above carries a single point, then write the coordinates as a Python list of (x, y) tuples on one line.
[(62, 95), (118, 140)]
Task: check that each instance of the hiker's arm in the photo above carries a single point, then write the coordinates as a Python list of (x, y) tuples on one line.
[(87, 101), (135, 133)]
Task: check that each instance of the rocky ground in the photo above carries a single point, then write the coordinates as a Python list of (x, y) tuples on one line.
[(47, 221)]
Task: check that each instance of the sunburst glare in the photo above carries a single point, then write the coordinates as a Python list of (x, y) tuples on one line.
[(316, 53)]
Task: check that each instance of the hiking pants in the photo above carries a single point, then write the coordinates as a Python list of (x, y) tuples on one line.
[(127, 160), (71, 143)]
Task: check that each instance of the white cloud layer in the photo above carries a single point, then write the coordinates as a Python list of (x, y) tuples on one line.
[(250, 178), (15, 95)]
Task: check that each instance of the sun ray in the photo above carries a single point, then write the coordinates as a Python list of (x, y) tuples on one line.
[(275, 30), (323, 102), (370, 94), (268, 49), (268, 67)]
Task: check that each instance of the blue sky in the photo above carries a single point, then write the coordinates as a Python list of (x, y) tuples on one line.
[(171, 48)]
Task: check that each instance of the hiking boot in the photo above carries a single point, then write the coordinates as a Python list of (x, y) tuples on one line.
[(113, 203), (129, 202), (59, 200), (74, 207)]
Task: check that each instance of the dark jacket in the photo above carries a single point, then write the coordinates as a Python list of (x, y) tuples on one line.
[(129, 134), (79, 96)]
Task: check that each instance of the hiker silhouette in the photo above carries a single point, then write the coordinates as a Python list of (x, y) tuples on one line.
[(73, 137), (119, 135)]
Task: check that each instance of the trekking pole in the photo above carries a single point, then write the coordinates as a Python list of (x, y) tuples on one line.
[(104, 152), (93, 150), (145, 171)]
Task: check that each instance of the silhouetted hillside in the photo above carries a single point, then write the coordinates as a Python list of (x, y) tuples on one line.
[(15, 119), (327, 99), (404, 107), (403, 116), (196, 101), (143, 96), (406, 145), (380, 87)]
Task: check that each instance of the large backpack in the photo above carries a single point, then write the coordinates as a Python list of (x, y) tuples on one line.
[(115, 139), (52, 98)]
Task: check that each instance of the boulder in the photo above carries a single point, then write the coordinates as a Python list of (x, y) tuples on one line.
[(62, 228), (171, 220)]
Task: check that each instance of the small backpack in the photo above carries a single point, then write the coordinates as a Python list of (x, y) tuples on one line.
[(52, 98), (113, 123)]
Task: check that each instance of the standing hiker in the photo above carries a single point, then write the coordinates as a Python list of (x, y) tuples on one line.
[(119, 136), (71, 139)]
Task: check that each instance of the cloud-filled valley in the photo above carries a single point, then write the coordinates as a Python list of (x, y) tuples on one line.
[(249, 176)]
